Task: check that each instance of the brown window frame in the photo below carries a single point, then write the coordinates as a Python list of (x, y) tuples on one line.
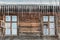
[(48, 26), (10, 24)]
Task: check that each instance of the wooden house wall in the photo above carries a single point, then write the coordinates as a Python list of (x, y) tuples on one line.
[(29, 22), (32, 21)]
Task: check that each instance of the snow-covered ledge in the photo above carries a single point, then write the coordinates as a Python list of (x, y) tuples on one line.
[(29, 2)]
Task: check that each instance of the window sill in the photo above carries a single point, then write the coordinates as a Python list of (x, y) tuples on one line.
[(49, 35)]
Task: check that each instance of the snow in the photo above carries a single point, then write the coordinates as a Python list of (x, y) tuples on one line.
[(22, 2)]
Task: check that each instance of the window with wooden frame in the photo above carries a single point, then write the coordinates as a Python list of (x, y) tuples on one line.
[(48, 25), (11, 25)]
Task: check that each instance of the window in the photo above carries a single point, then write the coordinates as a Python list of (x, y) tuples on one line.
[(52, 28), (48, 25), (14, 31), (8, 18), (14, 28), (7, 32), (11, 25), (7, 25), (51, 25), (51, 18), (14, 25), (45, 30), (14, 18), (52, 31), (45, 18)]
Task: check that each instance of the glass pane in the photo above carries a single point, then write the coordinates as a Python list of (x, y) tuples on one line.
[(7, 32), (14, 31), (14, 25), (14, 18), (51, 18), (7, 25), (45, 18), (52, 31), (45, 31), (51, 25), (8, 18)]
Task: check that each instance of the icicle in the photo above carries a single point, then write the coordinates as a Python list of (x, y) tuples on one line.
[(8, 10), (3, 13), (53, 9), (39, 13), (13, 8), (22, 10), (46, 9), (49, 8), (29, 9)]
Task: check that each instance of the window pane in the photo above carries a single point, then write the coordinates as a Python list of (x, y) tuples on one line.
[(14, 18), (51, 18), (14, 25), (8, 18), (45, 30), (7, 32), (45, 18), (7, 25), (52, 31), (51, 25), (14, 31)]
